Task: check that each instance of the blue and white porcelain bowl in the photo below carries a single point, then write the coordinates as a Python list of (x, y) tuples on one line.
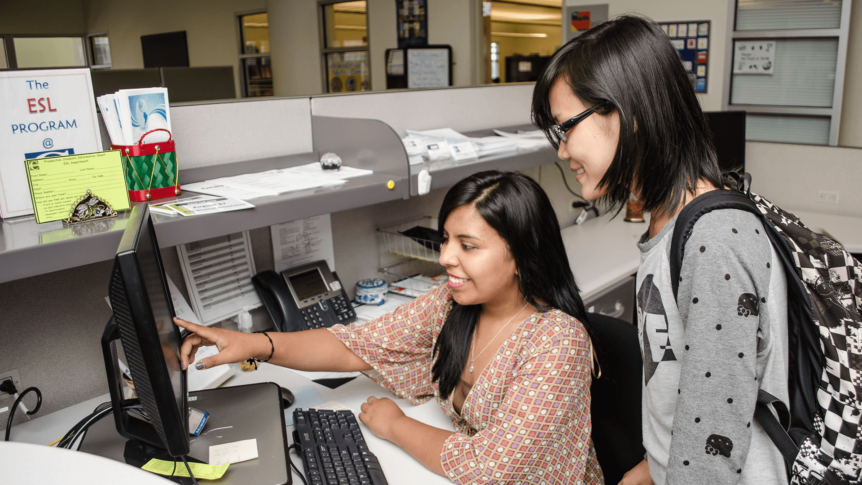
[(371, 291)]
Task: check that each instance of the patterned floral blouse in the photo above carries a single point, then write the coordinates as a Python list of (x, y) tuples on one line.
[(526, 419)]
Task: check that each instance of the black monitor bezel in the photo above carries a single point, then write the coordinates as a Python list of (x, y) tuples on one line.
[(172, 418)]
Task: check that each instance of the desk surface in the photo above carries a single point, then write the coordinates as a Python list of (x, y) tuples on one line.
[(399, 467), (602, 251)]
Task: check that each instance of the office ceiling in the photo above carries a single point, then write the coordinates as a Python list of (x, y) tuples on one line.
[(526, 14)]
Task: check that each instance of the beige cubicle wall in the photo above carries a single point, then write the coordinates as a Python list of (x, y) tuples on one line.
[(233, 131), (462, 109)]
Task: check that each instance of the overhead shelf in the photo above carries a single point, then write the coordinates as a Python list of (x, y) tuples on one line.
[(447, 173), (30, 249)]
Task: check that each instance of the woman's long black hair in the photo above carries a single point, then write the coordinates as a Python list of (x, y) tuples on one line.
[(519, 210), (665, 145)]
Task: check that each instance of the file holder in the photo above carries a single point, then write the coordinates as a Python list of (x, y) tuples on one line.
[(152, 170)]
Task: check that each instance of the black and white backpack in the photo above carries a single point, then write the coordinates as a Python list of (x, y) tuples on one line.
[(820, 435)]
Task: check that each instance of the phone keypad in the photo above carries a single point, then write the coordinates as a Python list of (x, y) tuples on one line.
[(313, 316)]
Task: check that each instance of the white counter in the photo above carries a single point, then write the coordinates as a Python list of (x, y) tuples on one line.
[(603, 251), (398, 466)]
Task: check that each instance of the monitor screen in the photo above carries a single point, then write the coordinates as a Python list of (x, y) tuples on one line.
[(165, 50), (728, 136), (308, 284), (153, 274), (143, 312)]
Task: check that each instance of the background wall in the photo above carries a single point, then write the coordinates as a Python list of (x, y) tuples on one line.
[(459, 24), (295, 47), (43, 16), (685, 10), (850, 130), (211, 27)]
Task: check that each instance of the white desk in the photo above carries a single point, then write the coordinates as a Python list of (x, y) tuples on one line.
[(398, 466), (603, 251)]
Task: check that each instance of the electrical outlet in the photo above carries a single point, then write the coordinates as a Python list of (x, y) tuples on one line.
[(827, 197), (16, 379)]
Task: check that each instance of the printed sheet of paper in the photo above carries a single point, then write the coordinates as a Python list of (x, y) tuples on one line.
[(302, 241), (207, 204), (56, 183), (236, 452), (215, 188), (316, 170), (218, 275), (277, 181)]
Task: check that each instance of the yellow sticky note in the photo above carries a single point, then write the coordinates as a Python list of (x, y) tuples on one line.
[(201, 471), (57, 183)]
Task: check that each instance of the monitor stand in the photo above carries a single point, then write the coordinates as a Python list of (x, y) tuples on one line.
[(236, 413)]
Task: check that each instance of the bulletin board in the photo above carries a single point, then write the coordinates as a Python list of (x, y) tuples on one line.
[(691, 39), (419, 67)]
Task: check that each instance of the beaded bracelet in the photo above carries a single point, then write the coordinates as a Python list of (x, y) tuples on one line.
[(272, 347)]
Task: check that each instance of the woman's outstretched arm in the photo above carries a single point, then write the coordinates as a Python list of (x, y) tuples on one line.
[(311, 350)]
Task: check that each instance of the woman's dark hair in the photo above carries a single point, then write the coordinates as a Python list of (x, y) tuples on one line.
[(629, 65), (519, 210)]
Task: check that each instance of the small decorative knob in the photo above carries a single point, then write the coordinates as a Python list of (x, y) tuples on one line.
[(390, 185)]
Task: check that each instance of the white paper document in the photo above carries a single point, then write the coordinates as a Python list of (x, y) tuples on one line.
[(526, 139), (206, 204), (218, 275), (278, 181), (444, 133), (302, 241), (142, 111), (314, 169), (236, 452), (216, 188)]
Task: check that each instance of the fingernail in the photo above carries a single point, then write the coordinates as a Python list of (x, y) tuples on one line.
[(199, 366)]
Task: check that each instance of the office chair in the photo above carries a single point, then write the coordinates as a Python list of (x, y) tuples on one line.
[(616, 397)]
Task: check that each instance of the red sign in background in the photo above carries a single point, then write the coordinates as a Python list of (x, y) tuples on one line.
[(580, 20)]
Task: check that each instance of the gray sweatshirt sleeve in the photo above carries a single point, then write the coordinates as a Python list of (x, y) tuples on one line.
[(723, 278)]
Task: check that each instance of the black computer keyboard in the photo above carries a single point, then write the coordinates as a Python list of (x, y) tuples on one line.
[(333, 449)]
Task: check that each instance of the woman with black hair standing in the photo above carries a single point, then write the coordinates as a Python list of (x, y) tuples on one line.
[(505, 347), (619, 106)]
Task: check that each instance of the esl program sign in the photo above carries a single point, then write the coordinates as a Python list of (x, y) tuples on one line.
[(43, 114)]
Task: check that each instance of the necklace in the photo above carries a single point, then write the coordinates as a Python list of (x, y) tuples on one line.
[(473, 343)]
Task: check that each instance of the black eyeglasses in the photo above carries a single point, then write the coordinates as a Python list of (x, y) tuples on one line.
[(559, 131)]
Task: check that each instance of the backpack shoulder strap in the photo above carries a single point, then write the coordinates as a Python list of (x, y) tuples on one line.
[(685, 221)]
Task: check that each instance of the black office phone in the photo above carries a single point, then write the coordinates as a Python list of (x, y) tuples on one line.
[(304, 297)]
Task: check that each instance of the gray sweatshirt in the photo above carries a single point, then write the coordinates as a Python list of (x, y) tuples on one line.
[(705, 358)]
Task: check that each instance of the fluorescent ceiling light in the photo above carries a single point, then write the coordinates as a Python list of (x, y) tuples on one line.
[(519, 34)]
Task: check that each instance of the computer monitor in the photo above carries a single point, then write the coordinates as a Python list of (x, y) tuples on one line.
[(143, 321), (728, 137)]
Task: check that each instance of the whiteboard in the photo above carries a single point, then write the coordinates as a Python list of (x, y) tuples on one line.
[(427, 68)]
